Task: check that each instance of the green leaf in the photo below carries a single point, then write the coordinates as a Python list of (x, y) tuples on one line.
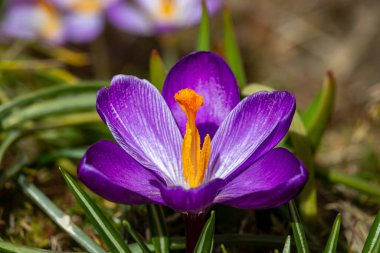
[(14, 169), (303, 150), (204, 43), (156, 70), (58, 216), (206, 239), (101, 223), (7, 247), (287, 245), (249, 89), (223, 248), (354, 182), (158, 228), (371, 245), (144, 248), (317, 116), (332, 242), (54, 107), (10, 138), (297, 228), (232, 50), (39, 95)]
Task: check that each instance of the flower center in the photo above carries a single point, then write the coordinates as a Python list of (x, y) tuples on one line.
[(88, 6), (51, 22), (194, 159), (167, 8)]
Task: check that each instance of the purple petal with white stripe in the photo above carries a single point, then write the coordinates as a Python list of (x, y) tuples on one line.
[(113, 174), (273, 180), (253, 128), (143, 125)]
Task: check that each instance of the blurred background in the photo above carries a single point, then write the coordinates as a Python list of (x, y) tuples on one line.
[(287, 45)]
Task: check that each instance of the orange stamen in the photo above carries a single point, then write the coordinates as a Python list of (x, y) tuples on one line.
[(194, 159)]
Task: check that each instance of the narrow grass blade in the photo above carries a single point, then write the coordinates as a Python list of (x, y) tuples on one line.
[(59, 217), (8, 140), (101, 223), (160, 239), (156, 70), (65, 55), (354, 182), (223, 248), (27, 65), (8, 247), (232, 50), (56, 76), (206, 239), (371, 244), (13, 170), (204, 43), (48, 93), (297, 228), (332, 242), (55, 107), (287, 245), (144, 248), (317, 116)]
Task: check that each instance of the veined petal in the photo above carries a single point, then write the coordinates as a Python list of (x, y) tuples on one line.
[(83, 27), (273, 180), (191, 200), (253, 128), (208, 75), (113, 174), (143, 125), (130, 18)]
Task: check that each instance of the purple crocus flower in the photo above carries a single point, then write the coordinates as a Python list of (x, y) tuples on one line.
[(31, 20), (55, 21), (148, 17), (195, 145)]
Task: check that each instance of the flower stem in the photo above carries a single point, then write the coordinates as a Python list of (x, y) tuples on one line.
[(194, 223)]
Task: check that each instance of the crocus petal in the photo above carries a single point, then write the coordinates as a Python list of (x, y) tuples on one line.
[(254, 127), (193, 17), (17, 22), (273, 180), (185, 13), (129, 18), (143, 125), (191, 200), (83, 27), (113, 174), (209, 76)]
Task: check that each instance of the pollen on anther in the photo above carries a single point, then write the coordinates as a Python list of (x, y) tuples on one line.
[(189, 99)]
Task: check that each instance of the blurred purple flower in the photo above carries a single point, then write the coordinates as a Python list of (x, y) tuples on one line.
[(147, 17), (55, 21), (159, 159)]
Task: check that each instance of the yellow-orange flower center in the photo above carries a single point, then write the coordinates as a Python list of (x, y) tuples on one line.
[(194, 158), (167, 8), (87, 6), (52, 25)]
